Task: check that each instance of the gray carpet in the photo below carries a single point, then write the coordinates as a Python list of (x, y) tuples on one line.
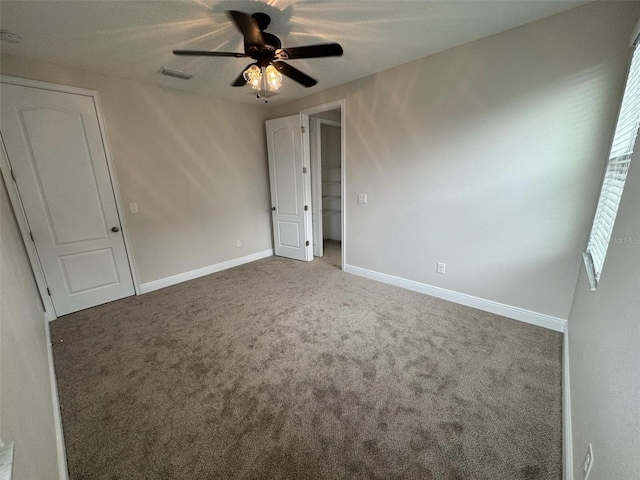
[(282, 369)]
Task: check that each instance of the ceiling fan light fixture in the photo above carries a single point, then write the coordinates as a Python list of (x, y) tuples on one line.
[(265, 74), (253, 76), (263, 78), (274, 79)]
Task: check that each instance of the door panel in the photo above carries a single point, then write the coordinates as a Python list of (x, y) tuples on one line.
[(285, 151), (289, 234), (89, 270), (289, 189), (65, 202), (55, 149)]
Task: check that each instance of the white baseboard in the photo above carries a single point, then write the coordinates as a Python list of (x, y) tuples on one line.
[(516, 313), (201, 272), (63, 472), (567, 438)]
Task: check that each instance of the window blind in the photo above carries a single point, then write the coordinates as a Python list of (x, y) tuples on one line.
[(615, 176)]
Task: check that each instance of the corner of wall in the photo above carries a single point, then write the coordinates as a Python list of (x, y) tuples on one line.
[(63, 471), (567, 441)]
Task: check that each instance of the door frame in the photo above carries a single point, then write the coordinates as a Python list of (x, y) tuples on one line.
[(16, 200), (315, 138), (343, 171)]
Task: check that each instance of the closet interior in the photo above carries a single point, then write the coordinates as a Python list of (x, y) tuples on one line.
[(326, 178)]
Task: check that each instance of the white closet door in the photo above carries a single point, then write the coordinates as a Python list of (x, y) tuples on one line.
[(54, 145), (290, 189)]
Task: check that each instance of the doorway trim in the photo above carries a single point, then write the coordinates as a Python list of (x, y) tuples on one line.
[(343, 171), (16, 201)]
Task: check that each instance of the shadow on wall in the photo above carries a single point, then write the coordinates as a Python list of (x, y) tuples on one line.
[(196, 167), (485, 149)]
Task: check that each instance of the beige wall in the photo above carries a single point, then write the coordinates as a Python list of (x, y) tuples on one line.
[(26, 406), (604, 349), (196, 166), (487, 157)]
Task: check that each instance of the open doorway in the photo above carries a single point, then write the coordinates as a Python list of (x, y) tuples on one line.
[(326, 155), (307, 192)]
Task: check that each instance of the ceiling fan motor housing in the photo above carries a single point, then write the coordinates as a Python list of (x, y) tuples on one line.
[(264, 54)]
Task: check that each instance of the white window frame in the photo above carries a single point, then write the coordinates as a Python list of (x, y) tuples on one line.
[(618, 164)]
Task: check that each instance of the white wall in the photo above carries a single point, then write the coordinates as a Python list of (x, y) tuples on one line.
[(333, 115), (196, 166), (604, 349), (487, 157), (26, 405)]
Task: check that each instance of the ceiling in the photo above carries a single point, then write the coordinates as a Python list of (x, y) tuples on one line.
[(134, 39)]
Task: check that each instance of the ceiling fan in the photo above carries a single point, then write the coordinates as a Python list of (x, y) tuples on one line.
[(265, 74)]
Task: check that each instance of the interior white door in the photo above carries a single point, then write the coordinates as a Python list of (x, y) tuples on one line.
[(54, 145), (290, 187)]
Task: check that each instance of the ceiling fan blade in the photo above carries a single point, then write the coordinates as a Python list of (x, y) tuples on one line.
[(241, 81), (204, 53), (295, 74), (311, 51), (247, 27)]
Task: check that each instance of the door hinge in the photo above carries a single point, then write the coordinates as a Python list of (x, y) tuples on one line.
[(13, 176), (31, 235), (48, 291), (303, 130), (307, 243), (304, 169), (306, 207)]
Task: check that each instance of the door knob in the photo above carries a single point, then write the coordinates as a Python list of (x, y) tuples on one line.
[(115, 229), (273, 208)]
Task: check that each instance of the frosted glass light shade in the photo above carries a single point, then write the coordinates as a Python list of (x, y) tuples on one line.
[(253, 76), (274, 79)]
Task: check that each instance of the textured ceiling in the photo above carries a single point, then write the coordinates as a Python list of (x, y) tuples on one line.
[(134, 39)]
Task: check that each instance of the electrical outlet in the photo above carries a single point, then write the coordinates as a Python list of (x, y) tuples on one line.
[(588, 463), (238, 244), (440, 267), (133, 207)]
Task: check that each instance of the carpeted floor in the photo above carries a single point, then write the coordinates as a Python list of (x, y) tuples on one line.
[(282, 369)]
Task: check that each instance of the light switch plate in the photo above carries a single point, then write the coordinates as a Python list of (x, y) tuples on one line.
[(133, 207), (362, 198)]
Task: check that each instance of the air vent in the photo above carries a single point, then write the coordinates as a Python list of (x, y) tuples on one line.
[(169, 72), (9, 37)]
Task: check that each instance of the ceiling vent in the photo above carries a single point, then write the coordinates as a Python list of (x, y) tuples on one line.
[(9, 37), (169, 72)]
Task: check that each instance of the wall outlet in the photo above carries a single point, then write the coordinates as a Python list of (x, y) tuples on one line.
[(588, 463), (133, 207), (238, 244), (440, 267)]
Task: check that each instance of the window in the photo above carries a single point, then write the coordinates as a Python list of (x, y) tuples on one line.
[(615, 176)]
